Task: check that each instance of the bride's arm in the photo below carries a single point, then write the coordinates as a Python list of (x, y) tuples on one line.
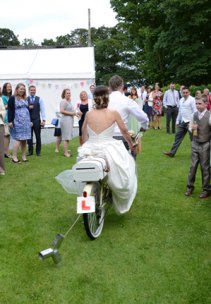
[(84, 131), (123, 129)]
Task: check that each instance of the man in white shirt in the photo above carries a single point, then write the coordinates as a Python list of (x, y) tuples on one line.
[(171, 103), (187, 108), (125, 106), (142, 94)]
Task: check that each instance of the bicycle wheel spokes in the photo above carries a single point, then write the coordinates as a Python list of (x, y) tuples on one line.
[(94, 222)]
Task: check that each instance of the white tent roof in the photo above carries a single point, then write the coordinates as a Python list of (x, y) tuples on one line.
[(64, 63)]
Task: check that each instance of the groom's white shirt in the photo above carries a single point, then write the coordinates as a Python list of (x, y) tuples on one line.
[(126, 106)]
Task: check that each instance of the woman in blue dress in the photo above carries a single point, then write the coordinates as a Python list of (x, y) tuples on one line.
[(19, 121)]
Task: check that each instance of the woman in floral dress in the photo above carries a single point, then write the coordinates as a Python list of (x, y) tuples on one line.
[(157, 107), (19, 121)]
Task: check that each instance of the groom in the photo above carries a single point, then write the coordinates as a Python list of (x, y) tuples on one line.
[(125, 106)]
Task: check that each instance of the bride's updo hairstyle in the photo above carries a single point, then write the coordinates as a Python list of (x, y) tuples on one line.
[(101, 97)]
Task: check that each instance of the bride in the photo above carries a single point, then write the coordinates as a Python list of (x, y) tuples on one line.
[(97, 138)]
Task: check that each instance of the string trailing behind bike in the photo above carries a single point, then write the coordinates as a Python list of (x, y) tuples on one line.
[(88, 179)]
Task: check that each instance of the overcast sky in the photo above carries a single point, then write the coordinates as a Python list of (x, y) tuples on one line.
[(50, 18)]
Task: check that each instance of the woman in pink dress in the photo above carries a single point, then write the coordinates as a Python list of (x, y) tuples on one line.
[(157, 107)]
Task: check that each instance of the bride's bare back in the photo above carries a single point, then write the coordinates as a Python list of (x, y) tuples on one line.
[(101, 119)]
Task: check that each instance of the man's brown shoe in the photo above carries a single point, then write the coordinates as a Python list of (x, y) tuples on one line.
[(204, 194), (169, 154), (189, 191)]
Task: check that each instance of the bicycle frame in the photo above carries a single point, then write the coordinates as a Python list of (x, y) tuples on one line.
[(92, 203), (96, 195)]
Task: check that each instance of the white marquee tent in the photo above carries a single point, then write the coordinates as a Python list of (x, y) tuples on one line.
[(51, 71)]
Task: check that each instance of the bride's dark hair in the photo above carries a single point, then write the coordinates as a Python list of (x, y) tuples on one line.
[(101, 97)]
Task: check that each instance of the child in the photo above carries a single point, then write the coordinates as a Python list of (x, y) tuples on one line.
[(200, 151), (58, 133)]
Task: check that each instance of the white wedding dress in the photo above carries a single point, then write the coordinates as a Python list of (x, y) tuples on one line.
[(122, 178)]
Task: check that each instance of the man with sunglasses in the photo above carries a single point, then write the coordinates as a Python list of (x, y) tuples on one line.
[(187, 108)]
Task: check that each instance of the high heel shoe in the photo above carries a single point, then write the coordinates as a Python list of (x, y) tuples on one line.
[(25, 160), (15, 161), (67, 155), (7, 155)]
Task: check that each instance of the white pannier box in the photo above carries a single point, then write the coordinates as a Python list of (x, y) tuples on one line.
[(90, 169)]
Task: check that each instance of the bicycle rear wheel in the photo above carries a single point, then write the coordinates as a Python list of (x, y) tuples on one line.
[(93, 222)]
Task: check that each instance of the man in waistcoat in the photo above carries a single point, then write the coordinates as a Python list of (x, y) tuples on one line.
[(37, 115), (200, 154)]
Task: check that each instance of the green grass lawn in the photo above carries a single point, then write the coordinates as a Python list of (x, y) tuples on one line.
[(159, 252)]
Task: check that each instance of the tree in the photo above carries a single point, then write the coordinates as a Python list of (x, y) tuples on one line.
[(114, 54), (48, 42), (8, 38), (189, 40), (63, 40), (28, 42), (173, 37), (77, 37)]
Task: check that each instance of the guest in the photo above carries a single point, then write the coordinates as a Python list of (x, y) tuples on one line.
[(187, 108), (134, 94), (147, 108), (36, 110), (197, 93), (2, 117), (91, 90), (67, 111), (142, 93), (171, 103), (201, 126), (125, 90), (6, 93), (82, 108), (19, 121), (57, 132), (180, 91), (157, 107), (206, 92), (132, 122)]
